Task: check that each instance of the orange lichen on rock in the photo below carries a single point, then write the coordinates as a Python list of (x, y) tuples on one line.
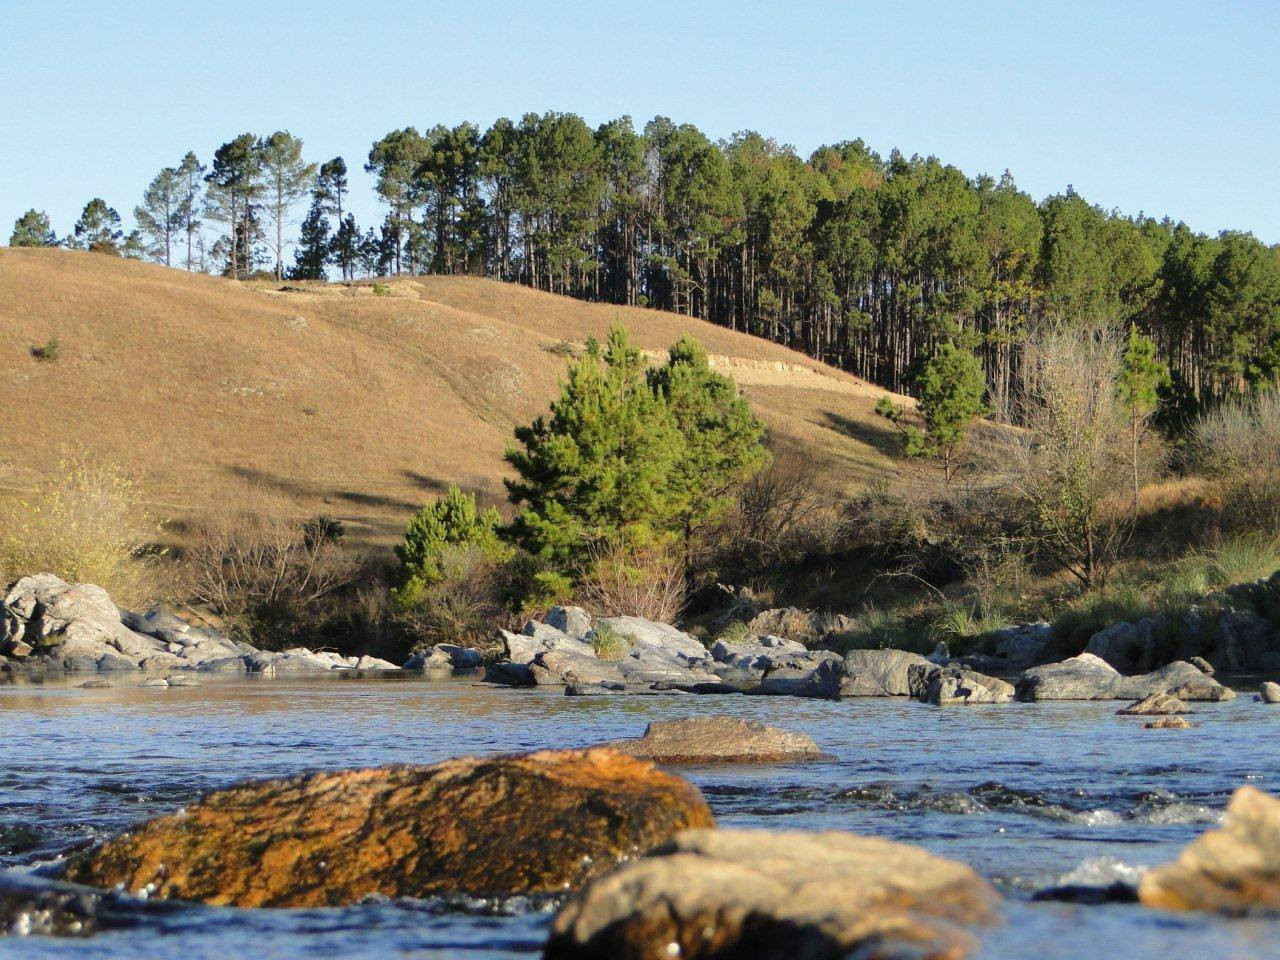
[(540, 822)]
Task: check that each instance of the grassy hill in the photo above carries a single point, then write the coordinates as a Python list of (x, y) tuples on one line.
[(345, 400)]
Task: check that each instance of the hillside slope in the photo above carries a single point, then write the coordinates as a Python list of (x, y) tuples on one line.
[(331, 399)]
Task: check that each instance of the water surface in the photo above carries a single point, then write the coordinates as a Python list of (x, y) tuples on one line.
[(1031, 795)]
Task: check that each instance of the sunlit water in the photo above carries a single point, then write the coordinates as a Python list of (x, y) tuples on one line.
[(1030, 795)]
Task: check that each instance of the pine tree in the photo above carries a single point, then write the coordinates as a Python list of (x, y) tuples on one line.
[(32, 229), (286, 179), (345, 250), (451, 521), (950, 386), (160, 215), (723, 439), (190, 172), (235, 188), (312, 251), (596, 474), (98, 229), (1138, 386)]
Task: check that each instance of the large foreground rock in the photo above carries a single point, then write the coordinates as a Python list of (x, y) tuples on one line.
[(1234, 870), (1087, 677), (764, 895), (542, 822), (718, 739)]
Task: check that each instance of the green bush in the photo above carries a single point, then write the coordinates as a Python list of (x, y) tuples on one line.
[(381, 289), (607, 643), (736, 631), (451, 521), (48, 351)]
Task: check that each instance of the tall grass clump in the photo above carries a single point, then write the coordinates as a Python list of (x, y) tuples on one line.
[(85, 525)]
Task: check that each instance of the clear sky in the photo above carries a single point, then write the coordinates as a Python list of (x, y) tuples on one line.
[(1168, 107)]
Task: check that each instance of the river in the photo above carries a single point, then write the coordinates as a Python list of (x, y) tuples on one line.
[(1031, 795)]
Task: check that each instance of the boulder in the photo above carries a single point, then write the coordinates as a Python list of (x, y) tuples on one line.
[(1023, 645), (181, 680), (1201, 664), (573, 622), (225, 665), (540, 822), (1269, 692), (367, 662), (113, 661), (1088, 677), (718, 739), (1125, 646), (1233, 870), (776, 895), (446, 656), (1168, 723), (942, 686), (879, 673), (654, 636), (821, 682), (1157, 704), (758, 654)]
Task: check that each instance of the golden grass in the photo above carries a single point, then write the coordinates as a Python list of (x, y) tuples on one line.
[(209, 392)]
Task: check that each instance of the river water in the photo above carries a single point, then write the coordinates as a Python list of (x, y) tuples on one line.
[(1031, 795)]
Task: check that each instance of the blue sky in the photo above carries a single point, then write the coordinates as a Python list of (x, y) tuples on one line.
[(1163, 107)]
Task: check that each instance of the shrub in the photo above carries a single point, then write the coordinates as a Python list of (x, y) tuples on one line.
[(876, 628), (464, 602), (1238, 444), (381, 289), (49, 351), (736, 631), (451, 521), (607, 643), (84, 525), (634, 580), (267, 574)]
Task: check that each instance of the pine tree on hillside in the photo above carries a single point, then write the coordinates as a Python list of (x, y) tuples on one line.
[(345, 250), (597, 473), (160, 215), (98, 229), (723, 438), (312, 251), (32, 229)]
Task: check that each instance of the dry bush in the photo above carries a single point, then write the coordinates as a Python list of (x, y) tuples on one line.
[(780, 517), (86, 525), (465, 603), (634, 581), (1238, 444), (1064, 465), (264, 570)]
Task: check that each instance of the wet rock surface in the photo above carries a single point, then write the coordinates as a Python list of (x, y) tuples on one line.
[(1235, 869), (540, 822), (943, 686), (718, 739), (772, 894), (1154, 705), (1088, 677)]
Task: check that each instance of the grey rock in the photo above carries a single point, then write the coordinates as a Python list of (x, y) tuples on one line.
[(822, 682), (1270, 692), (1201, 664), (95, 685), (1024, 645), (1157, 704), (652, 635), (180, 680), (764, 653), (509, 673), (878, 673), (717, 739), (154, 682), (943, 686), (164, 661), (224, 665), (1125, 646), (573, 622), (374, 663), (113, 661), (80, 664), (1088, 677)]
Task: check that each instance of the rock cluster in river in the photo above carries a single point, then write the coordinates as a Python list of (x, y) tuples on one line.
[(717, 739), (776, 895), (541, 822)]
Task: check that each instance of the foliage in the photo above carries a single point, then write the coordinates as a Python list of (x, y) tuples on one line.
[(98, 229), (632, 580), (1079, 620), (607, 643), (267, 573), (1238, 444), (1141, 379), (86, 524), (450, 522), (48, 351), (32, 229), (462, 602)]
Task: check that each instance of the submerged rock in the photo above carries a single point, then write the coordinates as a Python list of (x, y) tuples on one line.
[(1235, 869), (1168, 723), (1155, 704), (541, 822), (941, 686), (718, 739), (775, 895), (1088, 677)]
